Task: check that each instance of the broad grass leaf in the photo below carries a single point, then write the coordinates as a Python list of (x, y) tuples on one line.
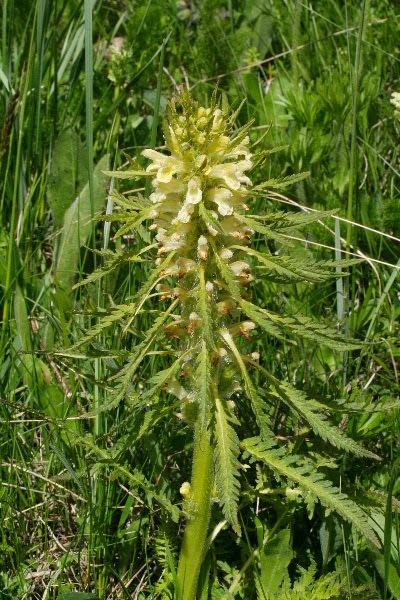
[(68, 174), (274, 561), (77, 224), (393, 576)]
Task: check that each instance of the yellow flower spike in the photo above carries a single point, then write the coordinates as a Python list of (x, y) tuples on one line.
[(206, 165)]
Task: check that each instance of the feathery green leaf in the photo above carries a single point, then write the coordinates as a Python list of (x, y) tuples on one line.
[(312, 414), (301, 326), (127, 372), (310, 480), (288, 269), (226, 464)]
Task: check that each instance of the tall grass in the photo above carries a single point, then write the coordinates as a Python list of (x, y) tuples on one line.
[(84, 489)]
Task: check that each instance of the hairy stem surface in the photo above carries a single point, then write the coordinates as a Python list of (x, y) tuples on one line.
[(194, 539)]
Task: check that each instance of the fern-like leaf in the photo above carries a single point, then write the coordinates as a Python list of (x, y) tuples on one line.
[(287, 221), (205, 310), (312, 414), (113, 260), (132, 221), (282, 182), (107, 456), (203, 384), (128, 371), (129, 203), (288, 269), (158, 381), (226, 464), (208, 219), (301, 326), (310, 480), (129, 174), (117, 314), (127, 311)]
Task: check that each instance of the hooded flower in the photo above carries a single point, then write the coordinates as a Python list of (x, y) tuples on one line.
[(206, 166), (200, 182)]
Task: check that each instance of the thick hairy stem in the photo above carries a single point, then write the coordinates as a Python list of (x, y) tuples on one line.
[(194, 539)]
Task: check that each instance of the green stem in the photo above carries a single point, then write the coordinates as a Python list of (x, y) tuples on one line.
[(194, 539)]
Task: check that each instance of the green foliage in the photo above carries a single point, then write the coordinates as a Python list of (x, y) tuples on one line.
[(76, 228), (305, 475), (68, 175), (274, 560), (226, 465)]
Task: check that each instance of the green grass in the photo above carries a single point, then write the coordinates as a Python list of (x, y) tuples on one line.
[(89, 496)]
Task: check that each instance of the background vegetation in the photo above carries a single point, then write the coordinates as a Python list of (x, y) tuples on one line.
[(89, 501)]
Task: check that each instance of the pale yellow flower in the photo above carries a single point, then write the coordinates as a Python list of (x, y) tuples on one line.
[(232, 173), (206, 166)]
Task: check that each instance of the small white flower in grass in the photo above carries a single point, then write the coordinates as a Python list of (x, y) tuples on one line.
[(161, 235), (186, 490), (175, 186), (232, 174), (164, 166), (194, 193), (172, 242), (233, 228), (157, 197), (247, 325), (212, 230), (183, 215)]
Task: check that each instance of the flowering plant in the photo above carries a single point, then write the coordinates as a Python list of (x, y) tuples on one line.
[(206, 265)]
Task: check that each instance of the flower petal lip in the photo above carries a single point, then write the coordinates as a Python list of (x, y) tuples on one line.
[(164, 174), (221, 198), (165, 166), (232, 173), (194, 193), (184, 214)]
